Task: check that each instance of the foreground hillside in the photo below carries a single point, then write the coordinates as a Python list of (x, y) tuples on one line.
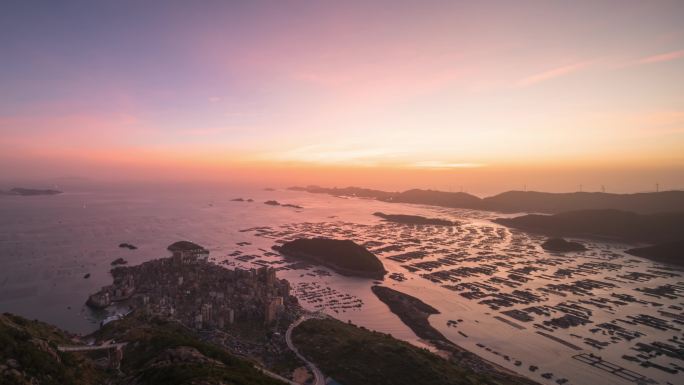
[(156, 352), (29, 355), (357, 356)]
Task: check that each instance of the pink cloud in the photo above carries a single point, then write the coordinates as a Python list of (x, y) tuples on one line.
[(674, 55), (552, 74)]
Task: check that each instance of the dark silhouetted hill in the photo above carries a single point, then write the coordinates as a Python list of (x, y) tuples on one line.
[(521, 201), (532, 201), (343, 256), (561, 245), (669, 252), (612, 224)]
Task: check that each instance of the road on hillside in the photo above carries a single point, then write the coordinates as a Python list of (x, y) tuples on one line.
[(319, 378)]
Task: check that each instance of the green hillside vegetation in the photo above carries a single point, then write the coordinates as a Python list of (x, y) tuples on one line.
[(356, 356), (28, 354), (157, 352)]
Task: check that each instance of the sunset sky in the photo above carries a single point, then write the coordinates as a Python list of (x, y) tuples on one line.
[(393, 94)]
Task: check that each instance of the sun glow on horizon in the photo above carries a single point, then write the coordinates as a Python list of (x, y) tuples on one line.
[(458, 87)]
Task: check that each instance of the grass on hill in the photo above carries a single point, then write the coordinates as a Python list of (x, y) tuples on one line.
[(356, 356)]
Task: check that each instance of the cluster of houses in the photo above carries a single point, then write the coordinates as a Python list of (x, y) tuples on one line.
[(198, 293)]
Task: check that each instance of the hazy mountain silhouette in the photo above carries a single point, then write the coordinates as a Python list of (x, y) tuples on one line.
[(521, 201)]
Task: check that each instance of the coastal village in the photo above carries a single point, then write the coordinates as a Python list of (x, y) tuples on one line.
[(198, 293)]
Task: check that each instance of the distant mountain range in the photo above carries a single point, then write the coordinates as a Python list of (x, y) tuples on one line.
[(521, 201)]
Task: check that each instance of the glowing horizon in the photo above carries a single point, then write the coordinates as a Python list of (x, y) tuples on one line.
[(319, 92)]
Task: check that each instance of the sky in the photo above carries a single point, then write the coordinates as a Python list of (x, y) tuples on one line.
[(480, 96)]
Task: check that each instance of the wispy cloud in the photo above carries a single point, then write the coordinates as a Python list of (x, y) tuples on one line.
[(663, 57), (436, 164), (552, 74)]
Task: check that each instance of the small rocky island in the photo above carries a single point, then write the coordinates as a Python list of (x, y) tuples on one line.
[(29, 191), (127, 246), (561, 245), (343, 256), (276, 203), (414, 219)]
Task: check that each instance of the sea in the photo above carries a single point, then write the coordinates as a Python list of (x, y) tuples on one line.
[(595, 317)]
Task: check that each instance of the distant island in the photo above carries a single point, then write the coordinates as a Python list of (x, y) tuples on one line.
[(520, 201), (608, 224), (668, 252), (276, 203), (414, 219), (29, 192), (343, 256), (561, 245)]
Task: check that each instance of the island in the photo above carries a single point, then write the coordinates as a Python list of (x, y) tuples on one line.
[(276, 203), (561, 245), (343, 256), (668, 252), (30, 191), (414, 219), (616, 225)]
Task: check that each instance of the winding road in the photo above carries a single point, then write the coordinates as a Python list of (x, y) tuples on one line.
[(85, 348), (319, 378)]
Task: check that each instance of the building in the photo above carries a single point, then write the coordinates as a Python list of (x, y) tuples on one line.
[(274, 307), (207, 314), (185, 252)]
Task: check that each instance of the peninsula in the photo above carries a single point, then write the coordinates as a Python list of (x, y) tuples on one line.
[(343, 256), (412, 312)]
